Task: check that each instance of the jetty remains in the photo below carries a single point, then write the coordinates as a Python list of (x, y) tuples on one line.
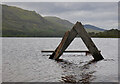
[(78, 29)]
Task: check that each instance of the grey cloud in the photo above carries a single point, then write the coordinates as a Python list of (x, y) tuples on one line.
[(58, 7), (97, 13)]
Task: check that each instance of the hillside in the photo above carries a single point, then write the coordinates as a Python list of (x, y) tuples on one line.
[(20, 22), (56, 20), (59, 21)]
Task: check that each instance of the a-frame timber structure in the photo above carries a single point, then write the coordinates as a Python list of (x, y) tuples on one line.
[(78, 29)]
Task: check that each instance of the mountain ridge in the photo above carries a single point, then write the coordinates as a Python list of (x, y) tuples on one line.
[(20, 22), (89, 28), (93, 27)]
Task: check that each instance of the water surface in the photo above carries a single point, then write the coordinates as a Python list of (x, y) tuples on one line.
[(23, 61)]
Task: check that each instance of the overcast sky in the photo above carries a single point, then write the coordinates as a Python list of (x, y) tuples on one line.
[(100, 14)]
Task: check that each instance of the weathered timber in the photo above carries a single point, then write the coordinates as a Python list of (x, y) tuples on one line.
[(68, 38), (88, 41), (57, 50), (68, 51)]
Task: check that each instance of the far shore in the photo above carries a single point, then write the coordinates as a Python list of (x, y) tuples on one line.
[(47, 37)]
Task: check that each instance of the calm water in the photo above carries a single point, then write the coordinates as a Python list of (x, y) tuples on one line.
[(23, 61)]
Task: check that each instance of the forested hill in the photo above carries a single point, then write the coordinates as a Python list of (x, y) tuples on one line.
[(113, 33)]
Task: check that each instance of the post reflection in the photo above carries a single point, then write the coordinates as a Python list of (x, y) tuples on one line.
[(73, 73)]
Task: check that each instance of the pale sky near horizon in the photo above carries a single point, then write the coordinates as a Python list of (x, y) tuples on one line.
[(100, 14)]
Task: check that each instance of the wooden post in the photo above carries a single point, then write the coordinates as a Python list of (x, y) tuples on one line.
[(57, 50), (68, 38), (88, 41)]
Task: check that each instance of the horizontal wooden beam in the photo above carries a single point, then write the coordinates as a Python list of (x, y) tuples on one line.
[(68, 51)]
